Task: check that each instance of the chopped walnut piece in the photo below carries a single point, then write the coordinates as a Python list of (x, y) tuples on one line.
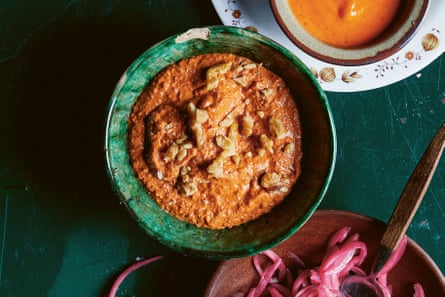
[(267, 92), (241, 80), (233, 132), (199, 135), (181, 139), (197, 116), (239, 68), (212, 80), (187, 146), (201, 116), (218, 69), (187, 188), (212, 83), (247, 125), (270, 180), (184, 170), (227, 144), (285, 180), (191, 108), (172, 152), (182, 153), (236, 159), (277, 128), (267, 143), (260, 114), (228, 120), (220, 140), (284, 189), (186, 178), (289, 148), (178, 149), (216, 168), (261, 152), (249, 66)]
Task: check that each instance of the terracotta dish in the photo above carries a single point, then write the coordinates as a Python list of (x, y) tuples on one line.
[(235, 276)]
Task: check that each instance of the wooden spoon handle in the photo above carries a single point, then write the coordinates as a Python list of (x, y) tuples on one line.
[(414, 192)]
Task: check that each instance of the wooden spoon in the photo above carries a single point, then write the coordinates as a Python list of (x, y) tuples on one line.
[(401, 217)]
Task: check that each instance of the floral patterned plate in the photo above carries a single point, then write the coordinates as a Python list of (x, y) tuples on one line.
[(419, 52)]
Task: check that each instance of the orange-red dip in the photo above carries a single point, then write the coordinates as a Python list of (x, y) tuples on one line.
[(344, 23), (216, 140)]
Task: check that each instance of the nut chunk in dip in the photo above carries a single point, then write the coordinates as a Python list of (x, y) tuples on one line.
[(216, 140)]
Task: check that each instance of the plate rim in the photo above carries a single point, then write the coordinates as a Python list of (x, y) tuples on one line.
[(408, 61)]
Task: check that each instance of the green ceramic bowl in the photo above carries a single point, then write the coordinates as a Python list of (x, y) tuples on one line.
[(319, 146)]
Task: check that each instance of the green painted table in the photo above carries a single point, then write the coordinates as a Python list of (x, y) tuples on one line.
[(62, 230)]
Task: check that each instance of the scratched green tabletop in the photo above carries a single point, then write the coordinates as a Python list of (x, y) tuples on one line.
[(62, 230)]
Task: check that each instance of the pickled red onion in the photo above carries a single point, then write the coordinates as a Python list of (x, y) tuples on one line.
[(418, 290), (129, 270), (344, 255)]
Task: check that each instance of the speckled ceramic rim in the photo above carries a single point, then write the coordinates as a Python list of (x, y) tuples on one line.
[(380, 49), (180, 236)]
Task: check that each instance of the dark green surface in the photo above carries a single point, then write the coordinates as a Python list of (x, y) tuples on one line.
[(62, 230)]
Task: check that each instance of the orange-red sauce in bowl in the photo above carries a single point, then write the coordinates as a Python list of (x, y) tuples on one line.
[(216, 140), (344, 23)]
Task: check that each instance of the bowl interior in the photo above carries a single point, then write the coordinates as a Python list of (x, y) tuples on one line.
[(319, 145), (310, 243), (409, 16)]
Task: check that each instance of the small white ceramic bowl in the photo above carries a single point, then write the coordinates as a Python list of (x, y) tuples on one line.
[(404, 25)]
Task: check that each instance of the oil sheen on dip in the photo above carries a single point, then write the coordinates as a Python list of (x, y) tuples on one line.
[(216, 140), (344, 23)]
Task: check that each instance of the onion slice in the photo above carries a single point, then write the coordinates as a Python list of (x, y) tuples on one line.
[(127, 271), (344, 255)]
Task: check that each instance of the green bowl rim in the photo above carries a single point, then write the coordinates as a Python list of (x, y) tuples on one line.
[(242, 251)]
